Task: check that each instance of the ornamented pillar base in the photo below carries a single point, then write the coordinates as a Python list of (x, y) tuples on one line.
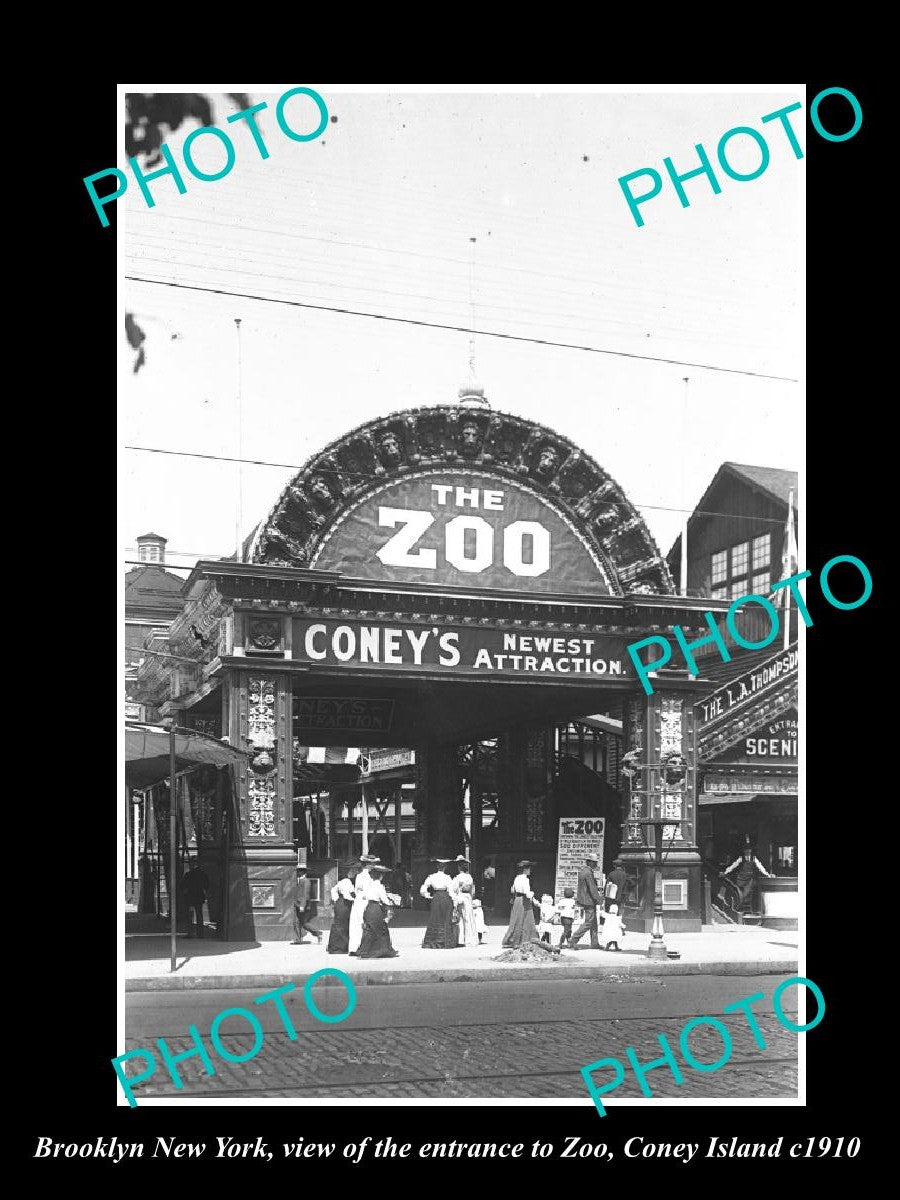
[(261, 888), (682, 868)]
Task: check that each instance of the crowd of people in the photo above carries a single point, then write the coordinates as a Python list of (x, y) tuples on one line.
[(362, 906), (600, 907)]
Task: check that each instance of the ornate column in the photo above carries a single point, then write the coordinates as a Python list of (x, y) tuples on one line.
[(659, 780), (262, 858)]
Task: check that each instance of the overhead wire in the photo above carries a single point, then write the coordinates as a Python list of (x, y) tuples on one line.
[(459, 328), (345, 277), (256, 462)]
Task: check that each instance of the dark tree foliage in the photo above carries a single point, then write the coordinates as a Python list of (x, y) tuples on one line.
[(151, 118)]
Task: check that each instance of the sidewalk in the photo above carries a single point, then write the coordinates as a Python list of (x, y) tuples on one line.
[(210, 964)]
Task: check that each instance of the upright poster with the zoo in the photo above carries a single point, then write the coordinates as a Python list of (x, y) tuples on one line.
[(578, 837)]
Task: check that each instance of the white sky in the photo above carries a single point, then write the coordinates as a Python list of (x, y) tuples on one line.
[(377, 215)]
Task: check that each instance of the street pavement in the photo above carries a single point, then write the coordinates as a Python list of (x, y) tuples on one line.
[(513, 1038)]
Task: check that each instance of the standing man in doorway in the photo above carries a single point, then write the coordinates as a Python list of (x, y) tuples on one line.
[(195, 888), (588, 897)]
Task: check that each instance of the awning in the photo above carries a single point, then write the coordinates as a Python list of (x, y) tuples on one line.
[(707, 798), (599, 721), (147, 753), (332, 756)]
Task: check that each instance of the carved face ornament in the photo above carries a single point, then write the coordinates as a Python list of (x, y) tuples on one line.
[(470, 435), (321, 491), (390, 447), (547, 461)]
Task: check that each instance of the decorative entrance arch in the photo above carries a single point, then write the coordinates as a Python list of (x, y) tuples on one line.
[(434, 578), (493, 479)]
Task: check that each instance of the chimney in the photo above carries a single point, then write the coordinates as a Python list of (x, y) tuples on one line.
[(151, 548)]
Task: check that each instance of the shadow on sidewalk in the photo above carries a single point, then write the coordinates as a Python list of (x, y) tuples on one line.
[(150, 947)]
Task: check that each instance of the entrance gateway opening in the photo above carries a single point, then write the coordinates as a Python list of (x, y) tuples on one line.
[(431, 625)]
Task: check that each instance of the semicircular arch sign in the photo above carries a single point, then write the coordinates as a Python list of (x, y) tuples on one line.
[(462, 528)]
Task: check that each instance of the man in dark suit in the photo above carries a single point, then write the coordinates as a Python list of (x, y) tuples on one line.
[(616, 879), (304, 909), (195, 889), (587, 895)]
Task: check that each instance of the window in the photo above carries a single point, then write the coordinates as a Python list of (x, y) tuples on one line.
[(785, 859), (761, 583), (742, 569), (739, 558), (674, 893), (762, 551)]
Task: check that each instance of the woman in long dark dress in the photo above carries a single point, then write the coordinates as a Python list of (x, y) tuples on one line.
[(376, 941), (440, 933), (342, 894), (521, 927)]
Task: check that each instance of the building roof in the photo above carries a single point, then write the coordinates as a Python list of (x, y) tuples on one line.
[(773, 482), (156, 536), (151, 585), (777, 482)]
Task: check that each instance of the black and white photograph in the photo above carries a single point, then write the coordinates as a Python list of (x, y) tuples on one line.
[(500, 567), (463, 469)]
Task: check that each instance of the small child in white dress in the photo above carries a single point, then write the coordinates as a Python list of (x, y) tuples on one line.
[(479, 919), (548, 912), (566, 912), (612, 931)]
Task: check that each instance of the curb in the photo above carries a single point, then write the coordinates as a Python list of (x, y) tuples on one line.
[(173, 983)]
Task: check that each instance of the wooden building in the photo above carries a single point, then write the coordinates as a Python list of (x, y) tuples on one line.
[(747, 722)]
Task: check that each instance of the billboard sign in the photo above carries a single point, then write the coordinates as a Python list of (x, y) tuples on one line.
[(462, 650), (578, 836), (465, 528)]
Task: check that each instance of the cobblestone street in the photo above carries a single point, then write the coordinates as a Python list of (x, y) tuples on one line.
[(466, 1040)]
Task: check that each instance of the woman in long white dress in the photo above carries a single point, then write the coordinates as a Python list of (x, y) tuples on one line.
[(462, 895), (360, 900)]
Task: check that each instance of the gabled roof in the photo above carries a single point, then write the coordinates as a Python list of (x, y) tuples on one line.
[(158, 536), (151, 584), (773, 482)]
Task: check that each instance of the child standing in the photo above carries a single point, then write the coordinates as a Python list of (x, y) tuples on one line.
[(479, 919), (548, 912), (566, 912), (613, 931)]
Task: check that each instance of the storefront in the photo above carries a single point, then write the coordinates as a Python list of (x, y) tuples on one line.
[(748, 741), (459, 583)]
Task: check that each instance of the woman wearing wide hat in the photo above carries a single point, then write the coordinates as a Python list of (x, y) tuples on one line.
[(521, 920), (462, 896), (360, 900), (376, 941), (439, 933), (342, 895)]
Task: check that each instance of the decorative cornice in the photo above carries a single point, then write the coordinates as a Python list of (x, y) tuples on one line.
[(389, 448)]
